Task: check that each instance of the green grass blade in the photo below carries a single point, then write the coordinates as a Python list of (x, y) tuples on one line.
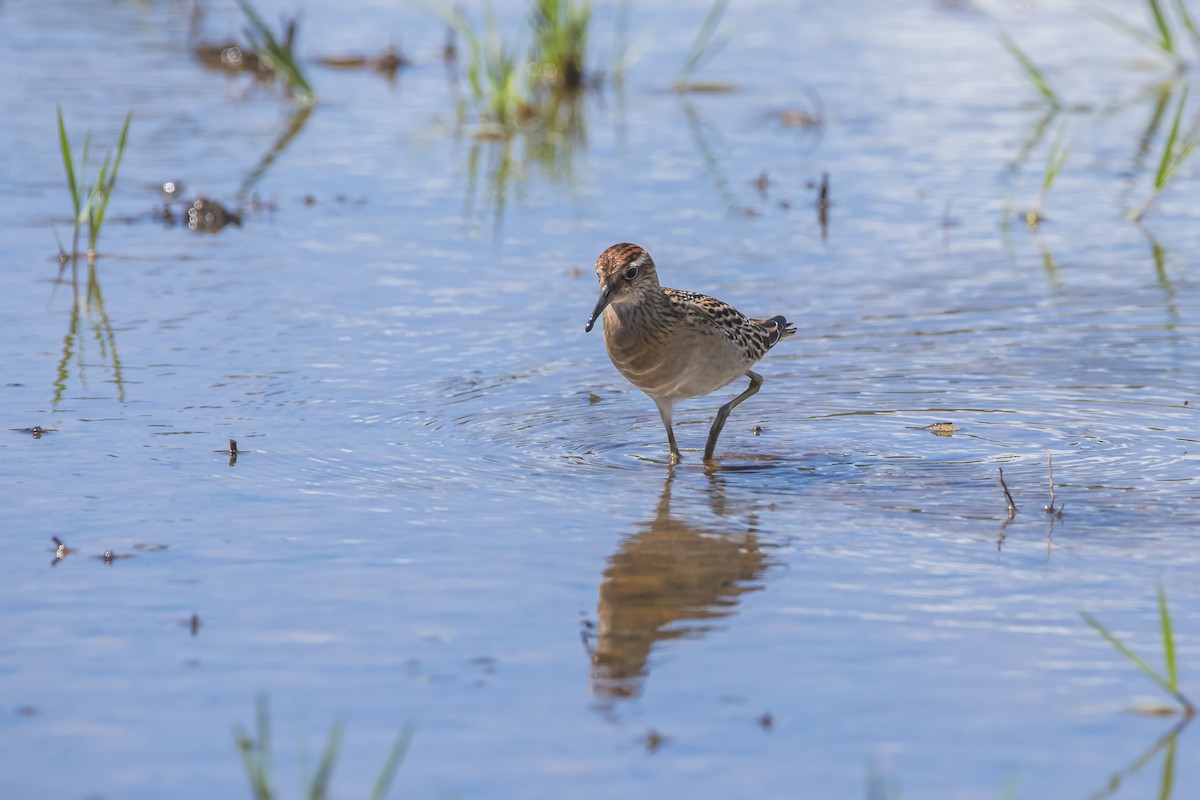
[(1168, 641), (83, 162), (252, 763), (102, 176), (85, 191), (1060, 151), (1146, 669), (390, 767), (1162, 175), (93, 224), (105, 184), (1032, 72), (1166, 41), (64, 144), (97, 202), (702, 45), (260, 27), (1189, 22), (319, 788), (121, 147), (264, 741), (1113, 21), (1184, 152), (1011, 789), (256, 753), (1167, 784), (278, 57), (1185, 16), (62, 251), (1178, 152)]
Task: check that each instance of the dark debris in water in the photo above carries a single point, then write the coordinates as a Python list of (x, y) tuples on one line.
[(388, 63), (703, 87), (232, 452), (209, 216), (486, 664), (201, 214), (37, 431), (204, 214), (193, 624), (231, 57), (61, 551), (108, 556), (1008, 498), (798, 118)]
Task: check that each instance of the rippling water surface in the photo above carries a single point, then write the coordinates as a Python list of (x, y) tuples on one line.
[(449, 511)]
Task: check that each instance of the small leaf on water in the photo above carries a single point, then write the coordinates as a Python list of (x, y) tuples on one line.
[(1154, 711)]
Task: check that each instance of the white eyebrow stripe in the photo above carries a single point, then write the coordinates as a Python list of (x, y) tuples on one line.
[(639, 261)]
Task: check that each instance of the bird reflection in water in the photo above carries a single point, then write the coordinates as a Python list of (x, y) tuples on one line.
[(670, 580)]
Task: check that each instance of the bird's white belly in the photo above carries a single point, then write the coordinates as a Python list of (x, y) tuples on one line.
[(685, 364)]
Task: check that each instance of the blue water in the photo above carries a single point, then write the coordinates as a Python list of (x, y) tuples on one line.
[(449, 511)]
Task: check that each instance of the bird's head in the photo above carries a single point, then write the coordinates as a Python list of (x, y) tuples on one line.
[(626, 272)]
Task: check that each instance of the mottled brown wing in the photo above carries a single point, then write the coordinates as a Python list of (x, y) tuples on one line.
[(753, 337)]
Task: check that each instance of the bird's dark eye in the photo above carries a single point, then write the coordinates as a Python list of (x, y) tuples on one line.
[(631, 273)]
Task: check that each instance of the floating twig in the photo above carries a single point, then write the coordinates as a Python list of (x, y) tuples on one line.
[(1012, 507), (823, 205), (1050, 509)]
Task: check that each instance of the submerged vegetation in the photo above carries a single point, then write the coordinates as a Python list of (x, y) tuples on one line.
[(560, 38), (259, 762), (89, 201), (497, 72), (527, 101), (511, 85)]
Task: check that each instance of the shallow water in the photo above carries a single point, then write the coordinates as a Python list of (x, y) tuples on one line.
[(449, 511)]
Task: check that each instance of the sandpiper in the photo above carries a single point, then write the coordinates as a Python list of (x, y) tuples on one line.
[(673, 344)]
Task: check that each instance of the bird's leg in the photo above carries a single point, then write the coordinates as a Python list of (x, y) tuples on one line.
[(756, 382), (664, 411)]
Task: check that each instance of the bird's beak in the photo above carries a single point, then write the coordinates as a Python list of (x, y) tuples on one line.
[(601, 304)]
